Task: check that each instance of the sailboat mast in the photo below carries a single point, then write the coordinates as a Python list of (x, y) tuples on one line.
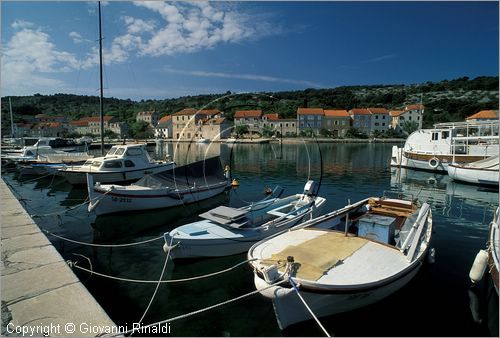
[(100, 83)]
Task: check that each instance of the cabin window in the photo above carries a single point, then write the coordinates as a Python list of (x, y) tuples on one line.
[(134, 152), (129, 163), (435, 136), (445, 135), (113, 164), (96, 164), (120, 151)]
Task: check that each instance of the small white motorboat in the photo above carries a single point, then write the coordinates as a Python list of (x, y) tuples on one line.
[(479, 172), (202, 140), (227, 231), (344, 259), (122, 163), (178, 186)]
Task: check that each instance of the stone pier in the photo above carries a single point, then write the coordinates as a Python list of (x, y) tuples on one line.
[(40, 294)]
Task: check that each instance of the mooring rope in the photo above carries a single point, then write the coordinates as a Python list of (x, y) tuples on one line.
[(75, 265), (101, 245), (159, 281), (307, 307), (201, 310)]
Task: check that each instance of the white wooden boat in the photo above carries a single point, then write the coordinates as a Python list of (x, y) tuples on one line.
[(344, 259), (122, 163), (490, 257), (178, 186), (459, 142), (227, 231), (202, 140), (479, 172)]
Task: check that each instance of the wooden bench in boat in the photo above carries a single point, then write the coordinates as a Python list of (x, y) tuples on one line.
[(232, 217)]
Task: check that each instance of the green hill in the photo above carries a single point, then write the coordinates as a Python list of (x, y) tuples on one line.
[(444, 101)]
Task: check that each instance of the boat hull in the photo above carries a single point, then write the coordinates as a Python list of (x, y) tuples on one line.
[(428, 161), (107, 202), (80, 177), (290, 310), (188, 248), (476, 176)]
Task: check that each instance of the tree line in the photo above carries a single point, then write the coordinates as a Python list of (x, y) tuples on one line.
[(445, 101)]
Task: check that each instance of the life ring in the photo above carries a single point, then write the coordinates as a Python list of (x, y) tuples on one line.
[(434, 162)]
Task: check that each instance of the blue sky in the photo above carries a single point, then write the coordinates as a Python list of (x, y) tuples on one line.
[(171, 49)]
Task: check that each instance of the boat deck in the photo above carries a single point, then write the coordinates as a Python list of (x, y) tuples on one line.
[(321, 255)]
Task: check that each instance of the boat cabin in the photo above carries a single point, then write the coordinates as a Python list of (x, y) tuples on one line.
[(122, 156)]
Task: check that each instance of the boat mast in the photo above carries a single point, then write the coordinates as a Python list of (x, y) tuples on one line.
[(100, 83), (11, 120)]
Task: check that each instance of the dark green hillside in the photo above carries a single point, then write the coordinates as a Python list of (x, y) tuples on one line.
[(445, 101)]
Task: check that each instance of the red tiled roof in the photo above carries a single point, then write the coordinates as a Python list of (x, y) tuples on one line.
[(272, 116), (378, 110), (247, 113), (106, 118), (396, 112), (165, 119), (414, 107), (80, 123), (336, 113), (360, 111), (192, 111), (49, 125), (484, 114), (310, 111)]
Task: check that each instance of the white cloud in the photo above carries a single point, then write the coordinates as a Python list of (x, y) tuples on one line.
[(20, 24), (252, 77), (76, 37), (30, 59), (188, 27)]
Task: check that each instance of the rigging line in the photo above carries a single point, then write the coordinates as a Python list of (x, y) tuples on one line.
[(170, 281), (101, 245), (201, 310), (308, 308), (159, 281)]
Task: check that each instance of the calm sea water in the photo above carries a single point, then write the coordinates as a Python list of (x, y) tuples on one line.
[(436, 303)]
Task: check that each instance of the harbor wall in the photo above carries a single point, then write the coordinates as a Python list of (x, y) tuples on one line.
[(40, 294)]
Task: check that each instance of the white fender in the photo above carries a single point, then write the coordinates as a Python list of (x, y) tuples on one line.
[(479, 266)]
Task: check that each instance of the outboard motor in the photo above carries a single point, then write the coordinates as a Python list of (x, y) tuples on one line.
[(310, 188)]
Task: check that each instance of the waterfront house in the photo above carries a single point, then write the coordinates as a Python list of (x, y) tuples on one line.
[(285, 127), (49, 129), (187, 123), (92, 126), (361, 120), (250, 118), (336, 121), (164, 127), (380, 120), (215, 128), (150, 117), (310, 119), (394, 115)]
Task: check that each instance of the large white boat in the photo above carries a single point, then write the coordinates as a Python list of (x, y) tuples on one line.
[(122, 163), (459, 142), (182, 185), (343, 260), (227, 231), (484, 172)]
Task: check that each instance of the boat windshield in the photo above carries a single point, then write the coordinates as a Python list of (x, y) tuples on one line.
[(88, 162), (120, 151), (96, 163), (111, 151)]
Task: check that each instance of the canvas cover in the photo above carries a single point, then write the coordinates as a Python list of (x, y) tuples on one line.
[(204, 172)]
